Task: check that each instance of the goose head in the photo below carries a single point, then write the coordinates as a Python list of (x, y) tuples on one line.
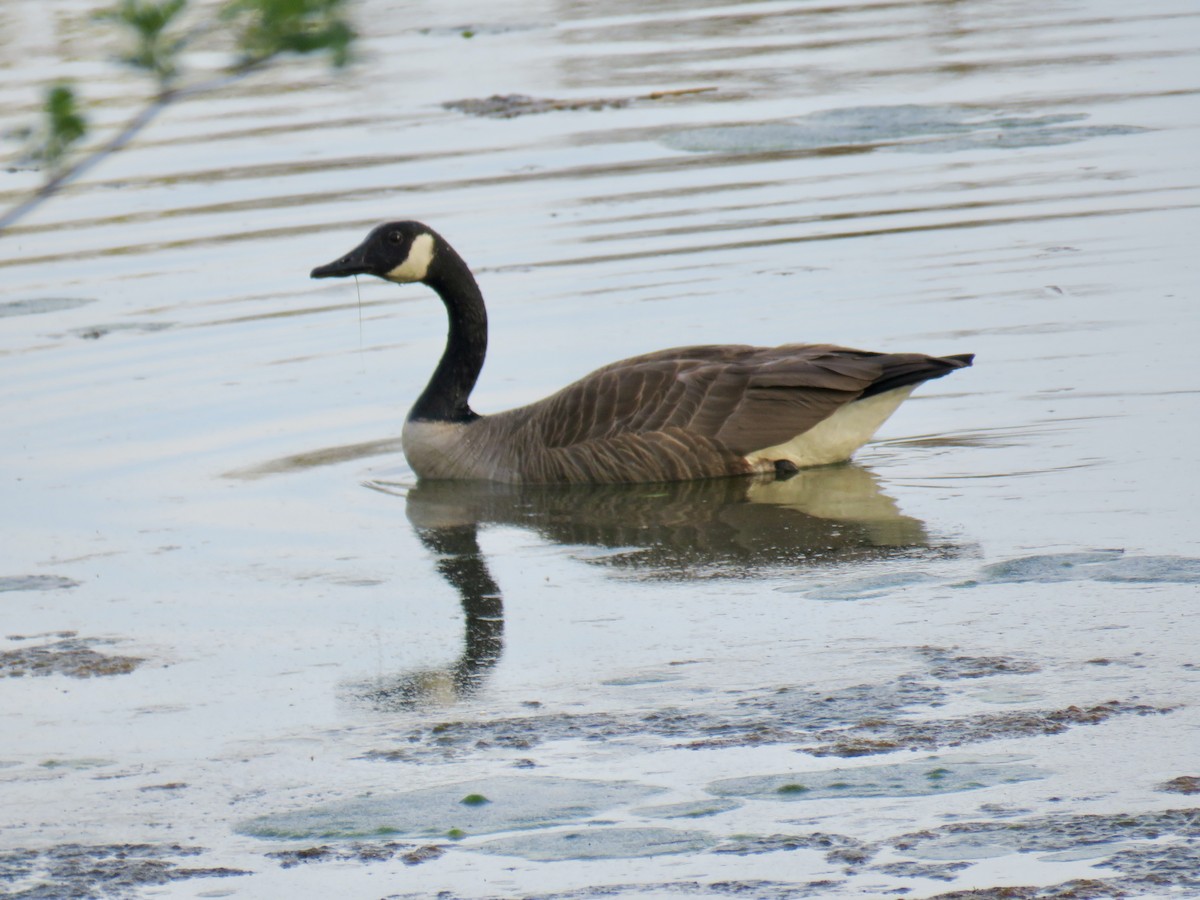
[(398, 251)]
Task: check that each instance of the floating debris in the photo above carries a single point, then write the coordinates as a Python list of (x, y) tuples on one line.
[(36, 583), (95, 332), (509, 106)]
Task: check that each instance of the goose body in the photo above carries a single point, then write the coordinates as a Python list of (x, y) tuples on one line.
[(689, 412)]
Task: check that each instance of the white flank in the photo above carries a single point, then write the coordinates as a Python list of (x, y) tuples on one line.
[(435, 449), (836, 438), (416, 265)]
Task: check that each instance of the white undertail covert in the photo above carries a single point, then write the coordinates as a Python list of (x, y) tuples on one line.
[(835, 439)]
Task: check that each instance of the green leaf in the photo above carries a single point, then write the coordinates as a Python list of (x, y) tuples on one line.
[(63, 126), (268, 28), (154, 49)]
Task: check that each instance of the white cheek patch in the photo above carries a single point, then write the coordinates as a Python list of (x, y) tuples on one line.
[(416, 265)]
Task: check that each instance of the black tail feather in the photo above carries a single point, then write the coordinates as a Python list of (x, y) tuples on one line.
[(902, 369)]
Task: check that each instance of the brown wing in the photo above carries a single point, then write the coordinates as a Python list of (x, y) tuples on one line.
[(743, 397), (694, 411)]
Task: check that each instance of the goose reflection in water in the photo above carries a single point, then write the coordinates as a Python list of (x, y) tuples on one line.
[(680, 531)]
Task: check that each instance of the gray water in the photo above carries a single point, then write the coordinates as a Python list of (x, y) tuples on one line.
[(250, 657)]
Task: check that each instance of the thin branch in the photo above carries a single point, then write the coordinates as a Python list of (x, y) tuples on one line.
[(127, 134)]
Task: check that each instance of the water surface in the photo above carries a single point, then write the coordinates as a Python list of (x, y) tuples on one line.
[(204, 484)]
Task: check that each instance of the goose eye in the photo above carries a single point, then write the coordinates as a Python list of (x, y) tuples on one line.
[(395, 237)]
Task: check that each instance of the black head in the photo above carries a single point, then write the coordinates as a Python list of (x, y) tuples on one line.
[(398, 251)]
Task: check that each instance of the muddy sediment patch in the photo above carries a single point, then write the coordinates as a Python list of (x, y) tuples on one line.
[(878, 736), (1076, 889), (835, 847), (98, 870), (934, 871), (359, 851), (1184, 784), (71, 656), (749, 889), (1052, 834), (1133, 853), (860, 720), (945, 665)]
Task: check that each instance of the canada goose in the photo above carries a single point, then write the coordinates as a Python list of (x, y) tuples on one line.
[(690, 412)]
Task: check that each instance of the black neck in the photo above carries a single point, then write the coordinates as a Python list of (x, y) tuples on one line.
[(445, 397)]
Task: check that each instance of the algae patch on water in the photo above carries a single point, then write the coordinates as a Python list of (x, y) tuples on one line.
[(1109, 566), (598, 843), (511, 803), (690, 809), (929, 776), (907, 127), (36, 582), (36, 305)]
